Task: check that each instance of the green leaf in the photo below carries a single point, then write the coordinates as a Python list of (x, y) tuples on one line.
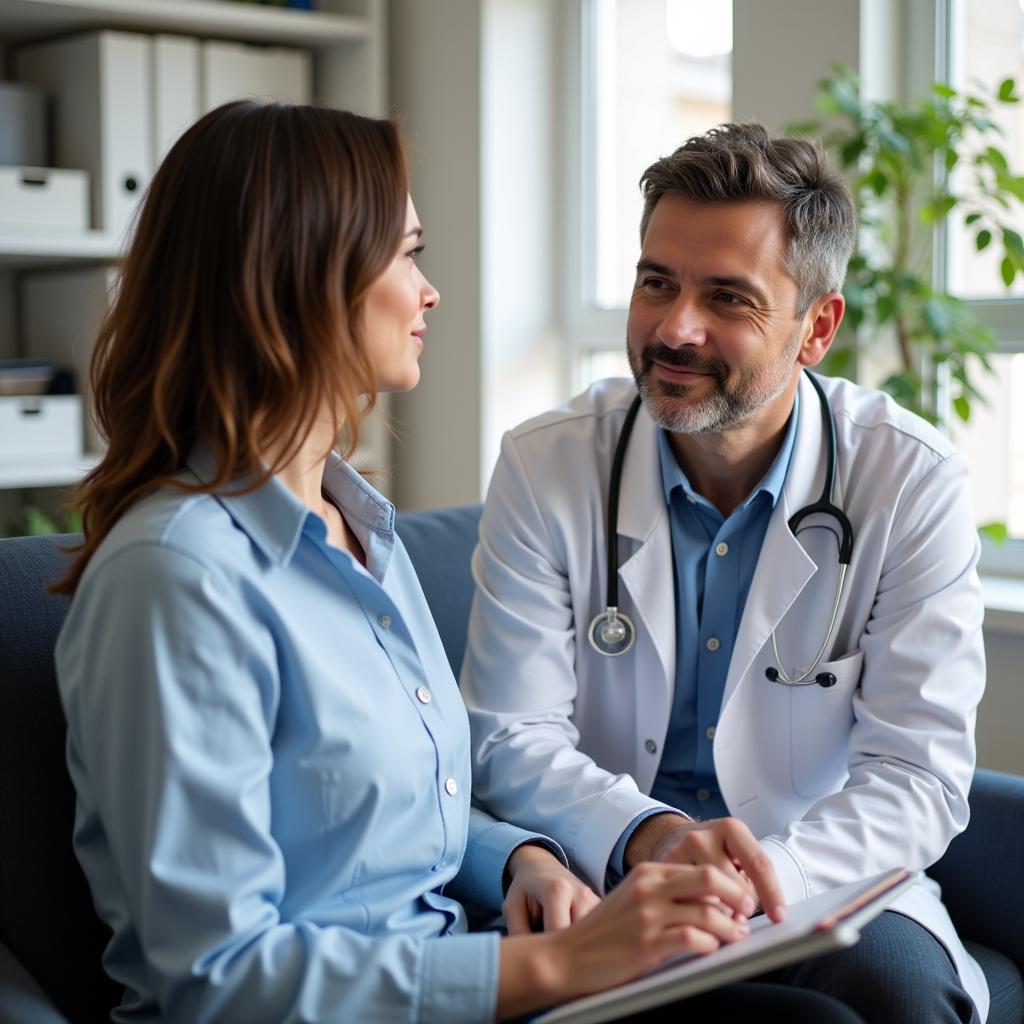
[(972, 218), (803, 128), (950, 159), (962, 408), (981, 240), (995, 532), (1013, 242), (1006, 91), (943, 90), (937, 317), (937, 209), (1007, 270), (850, 151), (997, 160)]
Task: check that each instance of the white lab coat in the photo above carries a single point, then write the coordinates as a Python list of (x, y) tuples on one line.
[(837, 783)]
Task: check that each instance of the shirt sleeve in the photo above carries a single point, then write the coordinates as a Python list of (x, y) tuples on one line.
[(174, 689), (617, 861), (491, 844)]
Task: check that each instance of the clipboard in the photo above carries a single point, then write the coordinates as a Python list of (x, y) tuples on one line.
[(823, 923)]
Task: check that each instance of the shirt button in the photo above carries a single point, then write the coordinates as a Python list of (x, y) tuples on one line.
[(713, 643), (703, 794), (451, 787), (651, 747), (384, 622), (691, 499), (423, 695), (721, 548), (710, 732)]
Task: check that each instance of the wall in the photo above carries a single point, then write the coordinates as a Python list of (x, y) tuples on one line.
[(434, 85)]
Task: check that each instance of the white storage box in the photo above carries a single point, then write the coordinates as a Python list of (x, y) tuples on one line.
[(40, 428), (43, 200)]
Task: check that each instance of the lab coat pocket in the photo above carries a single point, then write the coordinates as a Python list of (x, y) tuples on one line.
[(821, 719)]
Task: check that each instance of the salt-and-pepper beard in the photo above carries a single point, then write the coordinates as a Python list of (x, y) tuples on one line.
[(754, 388)]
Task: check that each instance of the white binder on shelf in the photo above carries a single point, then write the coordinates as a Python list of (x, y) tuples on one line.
[(61, 316), (100, 84), (175, 90), (231, 71)]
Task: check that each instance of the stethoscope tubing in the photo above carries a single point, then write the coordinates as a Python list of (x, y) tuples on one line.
[(612, 632)]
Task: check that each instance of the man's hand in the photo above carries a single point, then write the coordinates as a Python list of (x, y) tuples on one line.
[(543, 893), (726, 843)]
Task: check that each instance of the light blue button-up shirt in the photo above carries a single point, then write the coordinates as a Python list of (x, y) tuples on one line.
[(714, 558), (273, 768)]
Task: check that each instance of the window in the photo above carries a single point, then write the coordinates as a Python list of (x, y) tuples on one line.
[(986, 45), (655, 72)]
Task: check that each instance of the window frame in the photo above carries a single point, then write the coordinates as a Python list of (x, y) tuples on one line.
[(1003, 316)]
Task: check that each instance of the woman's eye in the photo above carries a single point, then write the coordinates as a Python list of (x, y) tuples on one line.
[(414, 254)]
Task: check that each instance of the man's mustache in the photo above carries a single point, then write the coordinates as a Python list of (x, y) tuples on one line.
[(683, 359)]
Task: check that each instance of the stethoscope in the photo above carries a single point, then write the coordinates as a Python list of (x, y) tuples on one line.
[(612, 632)]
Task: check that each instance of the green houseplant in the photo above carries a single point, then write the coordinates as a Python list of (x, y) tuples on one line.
[(915, 167)]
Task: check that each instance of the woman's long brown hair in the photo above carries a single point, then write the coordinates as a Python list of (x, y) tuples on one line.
[(236, 321)]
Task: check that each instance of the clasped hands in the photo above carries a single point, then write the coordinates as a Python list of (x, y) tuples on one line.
[(691, 884)]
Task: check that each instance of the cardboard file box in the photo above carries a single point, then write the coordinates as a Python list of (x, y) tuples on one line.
[(40, 428), (42, 200), (100, 85)]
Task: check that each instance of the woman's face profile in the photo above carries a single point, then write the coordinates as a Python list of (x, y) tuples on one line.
[(393, 321)]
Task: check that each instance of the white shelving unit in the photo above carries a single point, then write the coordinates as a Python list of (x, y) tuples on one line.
[(347, 41)]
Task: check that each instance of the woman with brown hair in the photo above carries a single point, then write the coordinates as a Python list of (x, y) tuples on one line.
[(269, 748)]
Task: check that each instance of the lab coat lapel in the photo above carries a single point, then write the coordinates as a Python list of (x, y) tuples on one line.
[(784, 568), (646, 575)]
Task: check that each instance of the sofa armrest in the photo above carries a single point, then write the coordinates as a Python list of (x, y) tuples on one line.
[(980, 873), (21, 999)]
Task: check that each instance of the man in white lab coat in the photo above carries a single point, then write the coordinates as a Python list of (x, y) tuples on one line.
[(867, 764)]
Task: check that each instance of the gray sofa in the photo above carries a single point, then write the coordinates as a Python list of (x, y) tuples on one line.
[(51, 941)]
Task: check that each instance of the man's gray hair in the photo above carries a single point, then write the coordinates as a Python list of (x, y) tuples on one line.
[(737, 162)]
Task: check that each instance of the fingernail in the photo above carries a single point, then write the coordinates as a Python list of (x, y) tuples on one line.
[(743, 930), (748, 906), (779, 911)]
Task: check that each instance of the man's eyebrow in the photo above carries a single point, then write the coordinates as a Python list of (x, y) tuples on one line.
[(654, 268)]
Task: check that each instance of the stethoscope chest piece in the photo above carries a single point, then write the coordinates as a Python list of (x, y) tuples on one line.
[(612, 633)]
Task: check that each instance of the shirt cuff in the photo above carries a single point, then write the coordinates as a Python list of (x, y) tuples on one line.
[(616, 868), (460, 979), (487, 857), (790, 873)]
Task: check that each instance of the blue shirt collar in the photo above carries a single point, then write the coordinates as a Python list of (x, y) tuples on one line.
[(274, 518), (672, 475)]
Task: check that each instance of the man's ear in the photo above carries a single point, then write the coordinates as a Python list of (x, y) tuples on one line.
[(821, 321)]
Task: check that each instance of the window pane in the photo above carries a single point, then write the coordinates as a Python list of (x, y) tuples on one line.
[(661, 73), (988, 46), (599, 364), (993, 442)]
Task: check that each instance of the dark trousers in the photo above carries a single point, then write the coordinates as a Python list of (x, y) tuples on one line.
[(898, 972)]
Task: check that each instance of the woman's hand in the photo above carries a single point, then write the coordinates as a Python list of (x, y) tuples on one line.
[(660, 910), (543, 894)]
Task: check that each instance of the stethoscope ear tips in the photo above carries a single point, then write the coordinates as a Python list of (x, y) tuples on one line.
[(612, 633), (823, 679)]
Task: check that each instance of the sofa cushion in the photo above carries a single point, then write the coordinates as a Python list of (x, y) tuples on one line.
[(46, 914)]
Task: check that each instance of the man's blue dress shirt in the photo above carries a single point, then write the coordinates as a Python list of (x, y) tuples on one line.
[(273, 768), (714, 559)]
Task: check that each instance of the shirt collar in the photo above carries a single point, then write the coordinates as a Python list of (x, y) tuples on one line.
[(274, 518), (672, 475)]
